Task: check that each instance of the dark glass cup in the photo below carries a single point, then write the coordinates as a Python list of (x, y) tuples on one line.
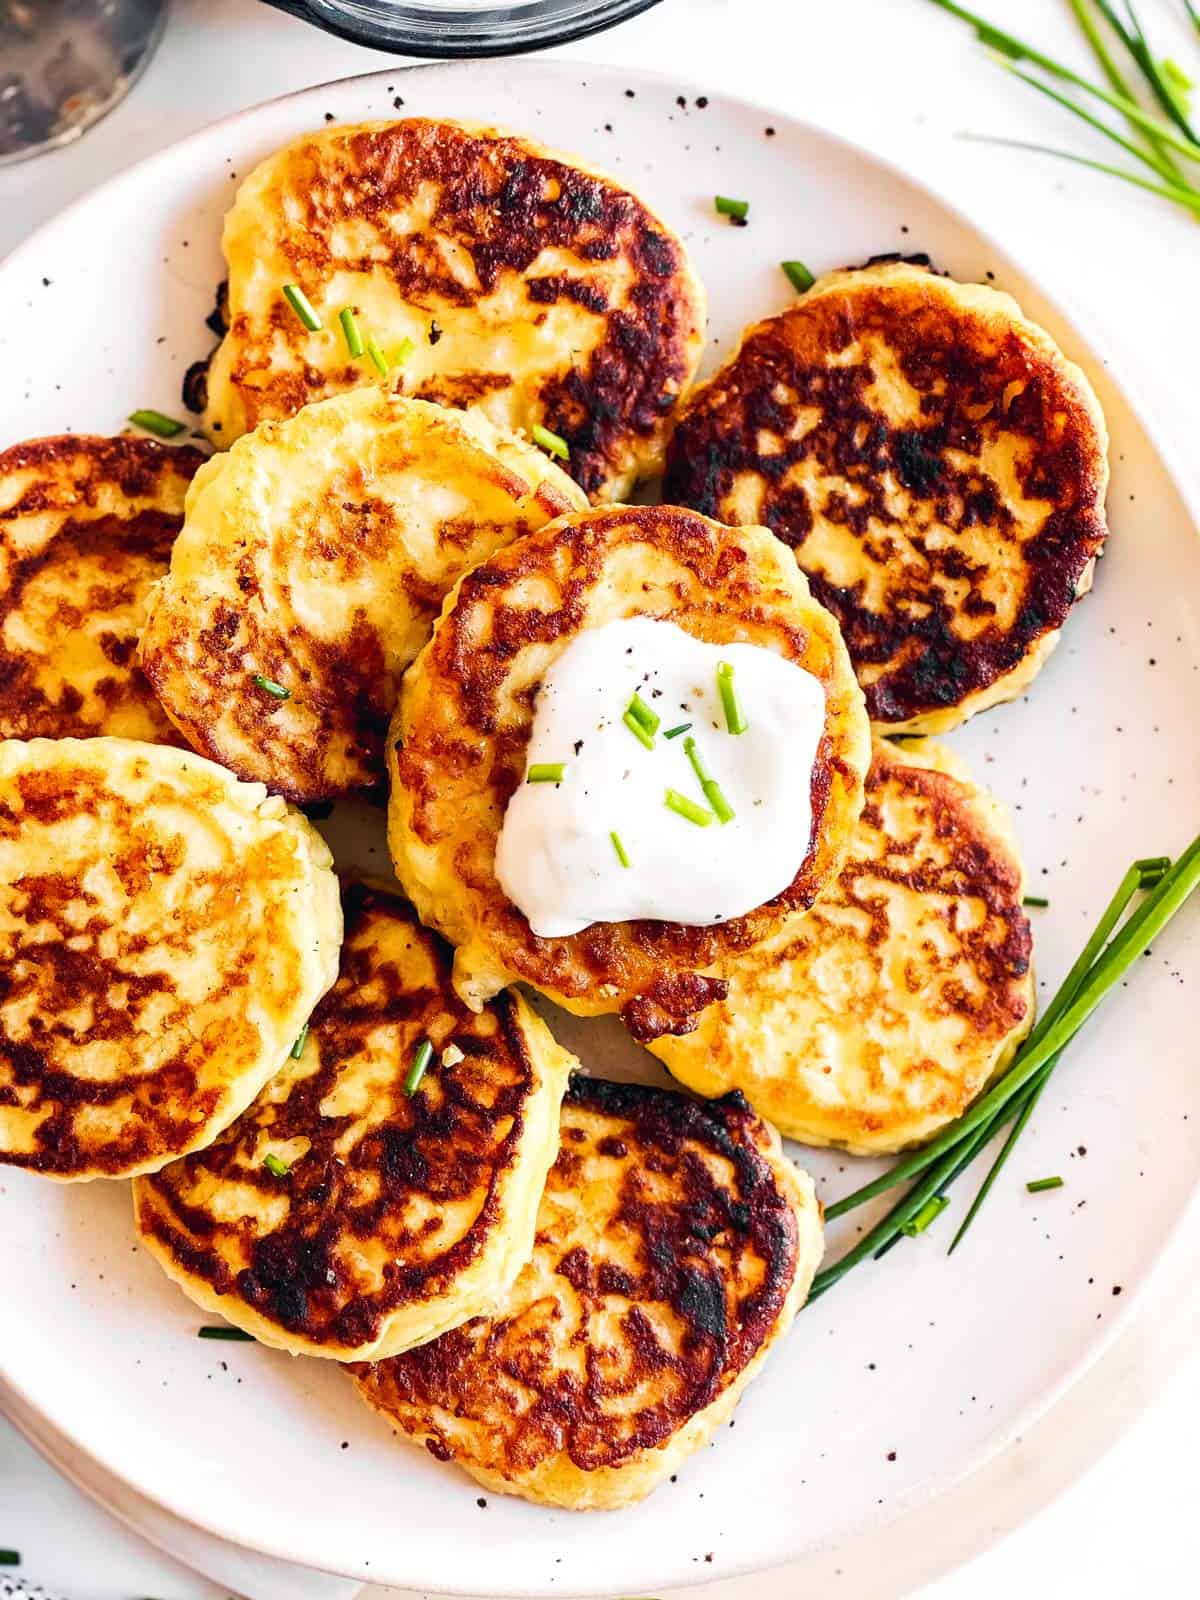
[(443, 28)]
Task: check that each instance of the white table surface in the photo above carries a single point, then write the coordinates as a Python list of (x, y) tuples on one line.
[(1101, 1493)]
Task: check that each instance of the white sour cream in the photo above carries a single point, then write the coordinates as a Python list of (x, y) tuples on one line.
[(556, 859)]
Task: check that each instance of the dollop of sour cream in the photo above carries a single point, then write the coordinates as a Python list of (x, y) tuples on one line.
[(562, 846)]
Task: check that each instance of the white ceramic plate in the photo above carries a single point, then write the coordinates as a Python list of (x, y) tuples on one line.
[(914, 1370)]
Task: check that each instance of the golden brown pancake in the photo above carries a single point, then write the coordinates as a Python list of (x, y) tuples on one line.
[(675, 1244), (529, 285), (938, 466), (164, 933), (314, 558), (86, 526), (880, 1017), (389, 1217), (457, 747)]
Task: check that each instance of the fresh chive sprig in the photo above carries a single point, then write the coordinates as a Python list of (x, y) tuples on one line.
[(422, 1056), (688, 809), (1106, 958), (303, 307), (552, 443), (158, 423), (735, 717)]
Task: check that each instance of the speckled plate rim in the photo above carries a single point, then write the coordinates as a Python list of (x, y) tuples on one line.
[(1087, 342)]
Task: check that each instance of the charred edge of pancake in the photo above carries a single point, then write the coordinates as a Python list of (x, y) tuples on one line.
[(631, 381), (294, 1278), (716, 442), (674, 1241), (138, 467), (978, 867)]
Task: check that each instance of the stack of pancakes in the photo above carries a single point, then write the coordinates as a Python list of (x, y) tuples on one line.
[(349, 1133)]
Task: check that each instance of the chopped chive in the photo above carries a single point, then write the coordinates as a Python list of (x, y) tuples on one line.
[(1035, 900), (713, 792), (10, 1558), (683, 807), (271, 687), (351, 331), (378, 357), (223, 1331), (401, 352), (552, 443), (735, 717), (798, 275), (546, 772), (639, 732), (737, 209), (649, 720), (303, 307), (421, 1059), (622, 855), (277, 1168), (155, 422), (673, 733), (932, 1208), (1038, 1184), (301, 1039)]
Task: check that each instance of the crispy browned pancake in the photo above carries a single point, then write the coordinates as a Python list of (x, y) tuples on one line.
[(164, 933), (314, 558), (457, 748), (395, 1216), (880, 1017), (86, 526), (492, 271), (675, 1244), (938, 466)]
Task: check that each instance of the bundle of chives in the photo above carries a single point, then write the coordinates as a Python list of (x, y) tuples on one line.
[(1104, 961)]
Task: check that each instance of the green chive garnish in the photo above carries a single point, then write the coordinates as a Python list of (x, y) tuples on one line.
[(1035, 900), (223, 1331), (298, 1047), (351, 331), (649, 720), (1039, 1184), (622, 856), (798, 275), (155, 422), (546, 772), (933, 1207), (731, 208), (277, 1168), (735, 717), (421, 1059), (641, 733), (552, 443), (683, 807), (303, 307), (378, 357), (713, 792), (400, 354), (10, 1558), (271, 687), (673, 733)]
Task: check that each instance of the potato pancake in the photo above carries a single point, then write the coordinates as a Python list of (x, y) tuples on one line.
[(313, 560), (675, 1244), (938, 466), (86, 526), (880, 1017), (489, 270), (344, 1216), (457, 747), (165, 932)]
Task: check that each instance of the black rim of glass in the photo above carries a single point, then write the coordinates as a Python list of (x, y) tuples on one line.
[(477, 33)]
